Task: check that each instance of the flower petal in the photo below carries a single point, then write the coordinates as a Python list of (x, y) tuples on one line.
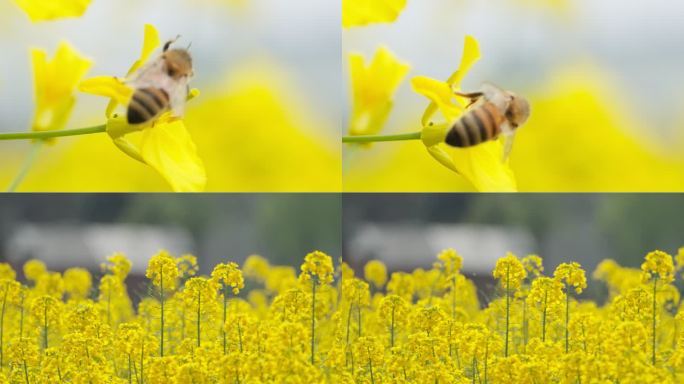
[(373, 88), (55, 82), (483, 167), (442, 157), (440, 93), (44, 10), (362, 12), (150, 43), (168, 148), (471, 54), (108, 86)]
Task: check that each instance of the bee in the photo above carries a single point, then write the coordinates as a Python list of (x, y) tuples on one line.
[(160, 85), (492, 111)]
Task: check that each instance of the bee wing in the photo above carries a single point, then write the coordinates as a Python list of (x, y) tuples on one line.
[(178, 94), (509, 136), (147, 75)]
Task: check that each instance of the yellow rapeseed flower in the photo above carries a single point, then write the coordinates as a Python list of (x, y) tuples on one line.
[(34, 269), (44, 10), (533, 265), (375, 272), (317, 265), (657, 264), (373, 89), (482, 165), (571, 274), (510, 271), (362, 12), (165, 144), (54, 85), (7, 272), (228, 275), (163, 271)]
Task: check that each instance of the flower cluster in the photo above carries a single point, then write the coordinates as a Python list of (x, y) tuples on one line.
[(71, 328), (412, 332)]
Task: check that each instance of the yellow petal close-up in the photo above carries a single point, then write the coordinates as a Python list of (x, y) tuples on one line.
[(373, 88), (45, 10), (54, 84), (151, 42), (484, 167), (356, 13), (440, 93), (471, 54), (107, 86), (169, 149)]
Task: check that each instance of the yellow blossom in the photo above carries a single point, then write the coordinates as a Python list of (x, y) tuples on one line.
[(510, 271), (373, 88), (187, 265), (54, 84), (7, 272), (118, 265), (317, 265), (362, 12), (44, 10), (165, 145), (163, 271), (229, 275), (34, 269), (451, 261), (483, 165), (657, 264), (77, 282), (375, 272), (533, 265), (571, 274)]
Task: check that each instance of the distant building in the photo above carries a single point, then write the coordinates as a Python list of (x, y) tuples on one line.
[(62, 246), (408, 246)]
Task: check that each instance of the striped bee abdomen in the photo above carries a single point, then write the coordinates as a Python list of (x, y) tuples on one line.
[(475, 126), (146, 104)]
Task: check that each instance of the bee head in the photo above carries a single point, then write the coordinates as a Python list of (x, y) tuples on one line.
[(518, 110), (178, 63)]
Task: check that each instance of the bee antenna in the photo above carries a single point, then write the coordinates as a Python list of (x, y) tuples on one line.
[(189, 45), (168, 43)]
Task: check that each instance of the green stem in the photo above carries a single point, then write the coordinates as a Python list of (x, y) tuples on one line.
[(239, 334), (313, 317), (508, 305), (199, 317), (225, 313), (653, 356), (376, 138), (546, 293), (2, 322), (567, 317), (370, 366), (142, 361), (51, 134), (161, 290), (26, 167), (392, 328), (45, 327)]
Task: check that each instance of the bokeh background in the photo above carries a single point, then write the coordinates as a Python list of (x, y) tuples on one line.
[(81, 230), (267, 119), (407, 231), (604, 79)]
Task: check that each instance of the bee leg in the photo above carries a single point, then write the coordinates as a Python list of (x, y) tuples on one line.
[(472, 96)]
